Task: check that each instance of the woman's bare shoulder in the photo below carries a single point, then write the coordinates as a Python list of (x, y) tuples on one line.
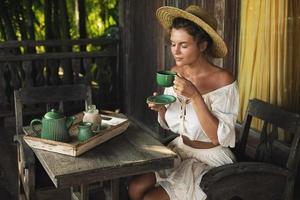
[(223, 77)]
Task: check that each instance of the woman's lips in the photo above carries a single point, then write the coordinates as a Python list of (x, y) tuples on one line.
[(178, 59)]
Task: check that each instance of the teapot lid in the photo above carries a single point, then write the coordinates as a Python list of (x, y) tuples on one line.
[(53, 114)]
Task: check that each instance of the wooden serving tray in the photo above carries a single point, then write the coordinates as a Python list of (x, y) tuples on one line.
[(111, 126)]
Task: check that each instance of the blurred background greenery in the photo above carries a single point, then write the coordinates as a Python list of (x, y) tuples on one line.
[(57, 19)]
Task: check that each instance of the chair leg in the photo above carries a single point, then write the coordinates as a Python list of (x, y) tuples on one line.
[(289, 189), (84, 192), (115, 189), (80, 194), (26, 176), (21, 193)]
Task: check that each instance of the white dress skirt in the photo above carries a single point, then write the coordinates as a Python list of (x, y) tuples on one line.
[(183, 181)]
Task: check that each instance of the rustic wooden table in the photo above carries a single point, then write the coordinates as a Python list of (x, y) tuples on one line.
[(133, 152)]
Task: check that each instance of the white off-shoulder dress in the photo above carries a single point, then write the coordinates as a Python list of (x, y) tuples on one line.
[(183, 181)]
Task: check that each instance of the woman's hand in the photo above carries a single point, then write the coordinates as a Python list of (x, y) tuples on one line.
[(156, 107), (184, 87)]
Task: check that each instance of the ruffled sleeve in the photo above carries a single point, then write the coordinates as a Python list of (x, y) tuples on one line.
[(225, 106), (159, 119)]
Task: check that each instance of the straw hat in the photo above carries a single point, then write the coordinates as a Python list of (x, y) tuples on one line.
[(199, 16)]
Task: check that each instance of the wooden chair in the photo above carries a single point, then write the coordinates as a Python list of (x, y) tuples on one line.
[(33, 96), (272, 172)]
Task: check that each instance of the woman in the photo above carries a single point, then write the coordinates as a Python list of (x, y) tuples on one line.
[(204, 113)]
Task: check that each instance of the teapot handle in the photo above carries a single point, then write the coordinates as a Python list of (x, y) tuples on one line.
[(70, 121), (35, 121)]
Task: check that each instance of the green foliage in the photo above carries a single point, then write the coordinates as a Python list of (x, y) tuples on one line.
[(57, 19), (39, 20), (100, 16)]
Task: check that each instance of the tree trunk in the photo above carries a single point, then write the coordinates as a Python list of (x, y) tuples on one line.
[(29, 22), (17, 9), (55, 19), (29, 19), (65, 34), (2, 31), (8, 26), (64, 20), (64, 23), (48, 22), (82, 22)]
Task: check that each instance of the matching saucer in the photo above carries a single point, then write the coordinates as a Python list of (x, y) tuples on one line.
[(161, 99)]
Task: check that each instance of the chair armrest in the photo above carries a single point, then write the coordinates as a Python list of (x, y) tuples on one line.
[(26, 153)]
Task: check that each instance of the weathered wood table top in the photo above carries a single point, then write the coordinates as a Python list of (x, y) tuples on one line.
[(133, 152)]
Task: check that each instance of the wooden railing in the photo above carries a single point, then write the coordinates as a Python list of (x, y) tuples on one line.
[(62, 62)]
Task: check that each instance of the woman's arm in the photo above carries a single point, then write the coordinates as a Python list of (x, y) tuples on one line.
[(197, 144), (208, 121)]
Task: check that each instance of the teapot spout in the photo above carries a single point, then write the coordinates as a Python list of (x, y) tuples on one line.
[(69, 121)]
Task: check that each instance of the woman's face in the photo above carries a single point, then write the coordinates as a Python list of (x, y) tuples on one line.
[(184, 47)]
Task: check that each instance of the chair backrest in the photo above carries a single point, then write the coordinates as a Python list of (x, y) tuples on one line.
[(49, 95), (272, 118)]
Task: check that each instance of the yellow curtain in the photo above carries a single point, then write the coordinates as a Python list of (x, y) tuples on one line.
[(263, 69)]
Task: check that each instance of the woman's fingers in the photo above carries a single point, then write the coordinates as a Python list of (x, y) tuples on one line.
[(183, 86), (179, 81), (179, 75), (179, 84), (151, 104), (154, 107)]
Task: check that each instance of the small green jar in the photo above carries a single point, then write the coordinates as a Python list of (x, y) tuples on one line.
[(84, 131)]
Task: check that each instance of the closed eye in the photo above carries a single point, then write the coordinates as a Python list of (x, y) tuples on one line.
[(184, 46)]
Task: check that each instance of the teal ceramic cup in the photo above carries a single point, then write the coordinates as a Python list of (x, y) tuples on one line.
[(165, 78)]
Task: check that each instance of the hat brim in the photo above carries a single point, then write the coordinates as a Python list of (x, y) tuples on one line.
[(166, 15)]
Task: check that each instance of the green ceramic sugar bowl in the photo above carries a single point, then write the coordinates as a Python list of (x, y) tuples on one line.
[(55, 126)]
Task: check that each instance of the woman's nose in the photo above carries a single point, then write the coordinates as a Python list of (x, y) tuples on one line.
[(176, 50)]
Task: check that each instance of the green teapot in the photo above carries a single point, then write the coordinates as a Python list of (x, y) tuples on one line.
[(55, 126)]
